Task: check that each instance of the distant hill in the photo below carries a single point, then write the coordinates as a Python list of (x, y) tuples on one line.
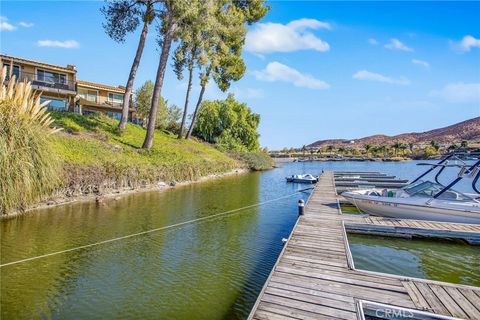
[(465, 130)]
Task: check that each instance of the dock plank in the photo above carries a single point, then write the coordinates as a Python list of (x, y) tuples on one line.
[(312, 278)]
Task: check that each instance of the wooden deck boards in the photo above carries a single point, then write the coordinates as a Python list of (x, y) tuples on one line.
[(313, 278), (412, 228)]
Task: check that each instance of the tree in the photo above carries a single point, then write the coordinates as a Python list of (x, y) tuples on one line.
[(367, 148), (222, 54), (174, 113), (304, 149), (383, 149), (123, 17), (396, 146), (464, 144), (143, 100), (229, 124), (190, 49), (452, 147), (172, 16), (435, 145)]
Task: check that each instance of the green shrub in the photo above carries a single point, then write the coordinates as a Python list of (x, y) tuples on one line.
[(257, 161)]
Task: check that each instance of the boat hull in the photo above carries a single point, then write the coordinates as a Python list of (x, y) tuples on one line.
[(385, 207), (296, 180)]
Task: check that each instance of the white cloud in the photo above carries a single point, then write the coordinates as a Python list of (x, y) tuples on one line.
[(459, 92), (373, 41), (371, 76), (467, 43), (26, 24), (68, 44), (277, 37), (396, 44), (248, 93), (421, 63), (5, 25), (275, 71)]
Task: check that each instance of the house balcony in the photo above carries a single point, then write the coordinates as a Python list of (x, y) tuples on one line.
[(107, 106), (48, 84)]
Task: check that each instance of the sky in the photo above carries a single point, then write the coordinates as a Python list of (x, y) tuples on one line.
[(315, 69)]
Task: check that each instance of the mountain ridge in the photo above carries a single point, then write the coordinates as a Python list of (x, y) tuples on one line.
[(465, 130)]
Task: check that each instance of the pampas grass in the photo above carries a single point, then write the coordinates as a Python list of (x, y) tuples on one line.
[(29, 169)]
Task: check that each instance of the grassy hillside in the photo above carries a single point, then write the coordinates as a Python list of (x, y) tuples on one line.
[(95, 155)]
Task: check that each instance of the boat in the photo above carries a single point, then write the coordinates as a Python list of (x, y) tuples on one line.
[(302, 178), (425, 200)]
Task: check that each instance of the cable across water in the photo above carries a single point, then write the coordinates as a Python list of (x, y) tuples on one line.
[(152, 230)]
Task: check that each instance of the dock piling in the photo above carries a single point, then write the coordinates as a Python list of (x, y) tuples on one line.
[(301, 207)]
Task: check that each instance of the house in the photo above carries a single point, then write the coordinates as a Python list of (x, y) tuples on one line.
[(57, 84), (95, 97)]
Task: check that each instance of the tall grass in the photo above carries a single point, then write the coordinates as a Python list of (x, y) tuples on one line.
[(29, 169)]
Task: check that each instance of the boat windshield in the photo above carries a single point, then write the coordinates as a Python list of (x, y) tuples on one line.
[(428, 189)]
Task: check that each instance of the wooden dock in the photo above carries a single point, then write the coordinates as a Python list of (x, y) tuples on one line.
[(412, 228), (315, 277)]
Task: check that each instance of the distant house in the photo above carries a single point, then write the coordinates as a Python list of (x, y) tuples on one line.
[(57, 83), (95, 97)]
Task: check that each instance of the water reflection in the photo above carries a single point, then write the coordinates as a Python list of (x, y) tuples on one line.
[(428, 259), (213, 269), (209, 270)]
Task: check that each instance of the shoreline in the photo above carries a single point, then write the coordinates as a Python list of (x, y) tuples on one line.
[(55, 201), (306, 159)]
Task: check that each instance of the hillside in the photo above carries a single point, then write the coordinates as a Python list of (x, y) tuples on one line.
[(467, 130), (95, 159)]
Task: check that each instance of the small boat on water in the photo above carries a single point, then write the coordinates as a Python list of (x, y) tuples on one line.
[(425, 200), (302, 178)]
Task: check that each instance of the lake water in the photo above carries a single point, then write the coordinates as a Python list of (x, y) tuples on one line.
[(210, 269)]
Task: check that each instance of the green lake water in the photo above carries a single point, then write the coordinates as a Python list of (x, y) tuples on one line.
[(446, 261), (211, 269)]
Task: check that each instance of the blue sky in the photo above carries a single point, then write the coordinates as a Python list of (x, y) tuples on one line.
[(315, 70)]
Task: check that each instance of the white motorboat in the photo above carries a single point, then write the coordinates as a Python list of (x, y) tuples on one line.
[(424, 200), (302, 178)]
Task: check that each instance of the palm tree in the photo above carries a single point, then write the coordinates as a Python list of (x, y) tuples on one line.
[(452, 147), (435, 145), (397, 145), (403, 147), (367, 148), (304, 149), (122, 18)]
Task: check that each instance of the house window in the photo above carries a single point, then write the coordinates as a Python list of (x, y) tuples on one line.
[(90, 95), (114, 115), (52, 77), (54, 104), (115, 98), (15, 71)]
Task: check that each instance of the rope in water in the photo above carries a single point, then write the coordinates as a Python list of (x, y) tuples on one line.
[(151, 230)]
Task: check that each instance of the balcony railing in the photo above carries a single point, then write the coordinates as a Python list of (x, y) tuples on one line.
[(45, 81), (114, 104)]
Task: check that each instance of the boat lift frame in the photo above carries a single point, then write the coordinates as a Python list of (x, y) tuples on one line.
[(464, 170)]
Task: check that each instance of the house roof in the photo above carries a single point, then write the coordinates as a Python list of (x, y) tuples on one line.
[(99, 86), (69, 68)]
